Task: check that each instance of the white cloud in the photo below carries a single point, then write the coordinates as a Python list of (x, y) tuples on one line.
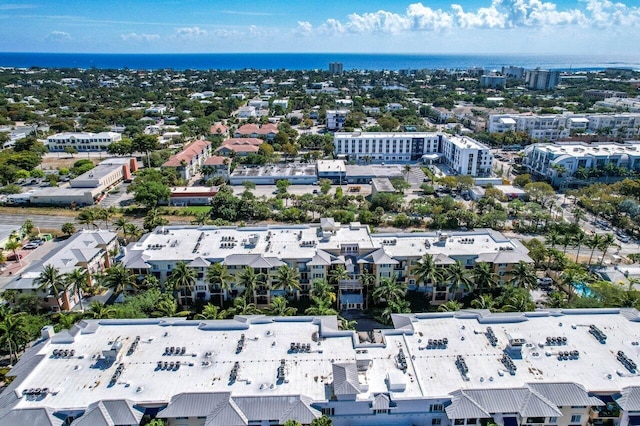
[(139, 37), (304, 28), (190, 32), (502, 14), (58, 36)]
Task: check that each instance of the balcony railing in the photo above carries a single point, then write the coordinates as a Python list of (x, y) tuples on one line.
[(350, 285)]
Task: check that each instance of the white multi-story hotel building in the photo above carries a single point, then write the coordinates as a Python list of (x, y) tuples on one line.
[(464, 155), (82, 141), (314, 251), (559, 160), (474, 368), (554, 127)]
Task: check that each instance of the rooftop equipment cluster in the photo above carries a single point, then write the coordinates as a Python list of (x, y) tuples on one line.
[(281, 372), (175, 350), (234, 372), (63, 353), (116, 374), (598, 334), (168, 366), (627, 362), (300, 348), (241, 343), (508, 363), (568, 355), (401, 360), (133, 346), (462, 365), (556, 341), (437, 343), (491, 336)]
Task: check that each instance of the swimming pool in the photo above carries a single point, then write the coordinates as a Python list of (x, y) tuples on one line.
[(582, 289)]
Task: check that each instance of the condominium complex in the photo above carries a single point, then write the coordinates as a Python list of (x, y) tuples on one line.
[(85, 250), (538, 79), (556, 161), (190, 160), (315, 251), (554, 127), (82, 141), (336, 67), (464, 155), (559, 367)]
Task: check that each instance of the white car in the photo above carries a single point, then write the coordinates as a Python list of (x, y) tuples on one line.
[(544, 281)]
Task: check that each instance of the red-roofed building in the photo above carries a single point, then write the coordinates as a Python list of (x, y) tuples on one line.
[(216, 166), (266, 131), (190, 159), (241, 146), (219, 129)]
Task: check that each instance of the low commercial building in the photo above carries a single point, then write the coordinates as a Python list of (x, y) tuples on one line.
[(365, 173), (82, 141), (90, 186), (381, 185), (86, 250), (334, 170), (295, 173), (192, 195), (189, 161), (560, 367), (559, 161), (314, 251)]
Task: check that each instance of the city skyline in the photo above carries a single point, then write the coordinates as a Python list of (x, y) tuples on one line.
[(498, 26)]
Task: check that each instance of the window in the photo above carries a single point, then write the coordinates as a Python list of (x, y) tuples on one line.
[(436, 422), (328, 411), (553, 420), (576, 418), (458, 422), (436, 408), (535, 419), (380, 411), (472, 421)]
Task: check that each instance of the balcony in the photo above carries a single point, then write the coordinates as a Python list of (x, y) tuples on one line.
[(601, 415), (350, 285)]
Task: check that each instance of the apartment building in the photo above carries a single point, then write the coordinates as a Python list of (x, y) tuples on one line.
[(82, 141), (463, 154), (555, 127), (558, 160), (87, 250), (189, 161), (560, 368), (538, 79), (314, 251), (336, 118)]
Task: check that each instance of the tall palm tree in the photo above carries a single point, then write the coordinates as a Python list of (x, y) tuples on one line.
[(211, 312), (390, 290), (320, 307), (338, 274), (242, 307), (553, 238), (288, 279), (248, 279), (119, 279), (218, 275), (87, 217), (458, 278), (120, 224), (279, 307), (13, 332), (607, 241), (78, 281), (368, 280), (578, 240), (593, 242), (183, 279), (523, 275), (427, 270), (51, 281), (484, 278), (99, 310), (132, 230)]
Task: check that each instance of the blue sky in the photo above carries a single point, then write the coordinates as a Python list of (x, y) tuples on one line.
[(392, 26)]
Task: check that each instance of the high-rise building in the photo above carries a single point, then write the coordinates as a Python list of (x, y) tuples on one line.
[(336, 68), (541, 79)]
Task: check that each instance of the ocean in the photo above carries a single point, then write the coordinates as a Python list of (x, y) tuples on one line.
[(308, 61)]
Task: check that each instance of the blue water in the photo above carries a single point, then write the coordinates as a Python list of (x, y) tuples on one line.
[(583, 290), (307, 61)]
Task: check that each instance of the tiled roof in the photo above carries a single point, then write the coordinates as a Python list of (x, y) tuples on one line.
[(241, 144), (187, 154), (215, 160), (250, 129)]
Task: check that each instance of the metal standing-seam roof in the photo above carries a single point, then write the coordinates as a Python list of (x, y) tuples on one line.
[(226, 414), (31, 417), (295, 407), (194, 404), (381, 402), (463, 407), (123, 412), (629, 399), (565, 394), (520, 400), (345, 379)]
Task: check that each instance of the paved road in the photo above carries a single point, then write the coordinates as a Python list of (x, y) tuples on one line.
[(47, 222)]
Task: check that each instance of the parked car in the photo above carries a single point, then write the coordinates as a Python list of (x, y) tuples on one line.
[(31, 246), (544, 282), (14, 256)]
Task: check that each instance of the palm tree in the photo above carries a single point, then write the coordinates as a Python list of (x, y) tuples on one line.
[(427, 270), (523, 275), (132, 230), (87, 217), (13, 245), (121, 224), (338, 274), (368, 280), (51, 281), (320, 307), (458, 278), (518, 303), (248, 279), (553, 238), (183, 279), (484, 301), (322, 290), (394, 307), (278, 307), (242, 307), (168, 307), (78, 280), (607, 241), (119, 279), (593, 242), (13, 332), (390, 290), (566, 240), (211, 312), (450, 306), (288, 279), (99, 310), (218, 275), (484, 277), (579, 239)]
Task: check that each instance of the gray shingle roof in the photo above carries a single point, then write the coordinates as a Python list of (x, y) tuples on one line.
[(345, 379)]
